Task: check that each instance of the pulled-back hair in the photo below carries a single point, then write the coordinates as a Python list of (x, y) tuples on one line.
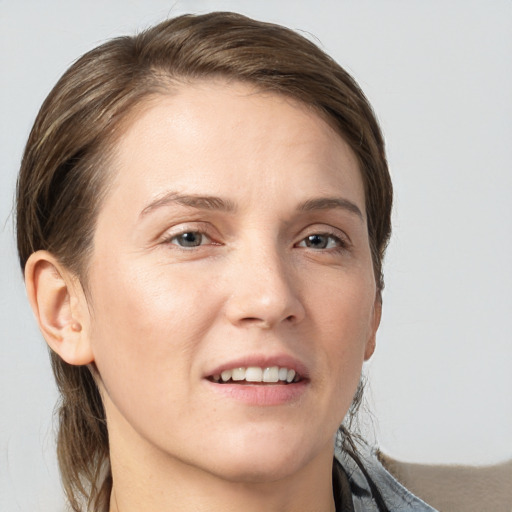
[(64, 173)]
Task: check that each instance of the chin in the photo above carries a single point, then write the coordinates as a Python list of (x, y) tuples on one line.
[(261, 470), (260, 462)]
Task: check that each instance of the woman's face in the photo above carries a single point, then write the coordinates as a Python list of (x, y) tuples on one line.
[(233, 237)]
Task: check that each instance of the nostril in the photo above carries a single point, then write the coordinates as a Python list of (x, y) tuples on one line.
[(257, 322), (267, 323), (253, 320)]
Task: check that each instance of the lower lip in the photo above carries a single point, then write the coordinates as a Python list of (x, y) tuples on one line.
[(261, 394)]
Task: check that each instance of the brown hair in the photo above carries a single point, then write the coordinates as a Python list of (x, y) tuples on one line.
[(64, 171)]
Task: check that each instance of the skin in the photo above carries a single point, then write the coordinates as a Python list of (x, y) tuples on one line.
[(159, 317)]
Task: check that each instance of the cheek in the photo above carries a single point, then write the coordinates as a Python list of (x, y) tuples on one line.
[(133, 299), (344, 317), (344, 308), (146, 324)]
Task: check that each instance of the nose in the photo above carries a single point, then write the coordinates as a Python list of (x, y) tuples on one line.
[(263, 290)]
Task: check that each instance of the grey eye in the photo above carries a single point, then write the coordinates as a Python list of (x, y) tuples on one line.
[(317, 241), (189, 239), (321, 241)]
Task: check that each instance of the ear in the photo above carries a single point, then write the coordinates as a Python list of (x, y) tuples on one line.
[(60, 307), (375, 322)]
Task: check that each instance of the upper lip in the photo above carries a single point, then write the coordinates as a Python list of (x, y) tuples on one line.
[(262, 361)]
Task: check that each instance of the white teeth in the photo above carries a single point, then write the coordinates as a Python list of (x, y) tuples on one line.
[(253, 374), (238, 374), (283, 373), (226, 375), (271, 374), (256, 374)]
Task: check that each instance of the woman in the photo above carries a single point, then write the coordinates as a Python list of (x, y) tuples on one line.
[(202, 214)]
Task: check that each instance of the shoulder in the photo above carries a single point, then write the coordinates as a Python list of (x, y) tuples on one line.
[(368, 478)]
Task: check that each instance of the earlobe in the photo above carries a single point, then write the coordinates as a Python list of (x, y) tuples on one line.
[(375, 322), (59, 306)]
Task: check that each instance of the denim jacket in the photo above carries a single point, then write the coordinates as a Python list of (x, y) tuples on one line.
[(396, 497)]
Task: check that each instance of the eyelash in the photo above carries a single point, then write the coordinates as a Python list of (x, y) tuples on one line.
[(172, 239), (337, 243)]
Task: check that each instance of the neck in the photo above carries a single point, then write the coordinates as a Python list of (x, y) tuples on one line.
[(146, 479), (213, 494)]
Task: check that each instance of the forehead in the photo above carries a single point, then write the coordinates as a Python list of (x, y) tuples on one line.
[(215, 135)]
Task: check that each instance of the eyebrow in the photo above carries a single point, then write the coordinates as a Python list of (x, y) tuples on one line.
[(328, 203), (194, 201), (201, 202)]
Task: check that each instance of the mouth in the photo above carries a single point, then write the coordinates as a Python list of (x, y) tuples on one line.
[(260, 380), (257, 375)]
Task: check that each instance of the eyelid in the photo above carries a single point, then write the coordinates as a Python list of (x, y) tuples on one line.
[(204, 238), (201, 228), (326, 230), (341, 244)]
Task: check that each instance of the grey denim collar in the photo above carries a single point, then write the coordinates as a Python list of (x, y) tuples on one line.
[(396, 497)]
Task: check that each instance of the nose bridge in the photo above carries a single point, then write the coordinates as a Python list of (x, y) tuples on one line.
[(264, 290)]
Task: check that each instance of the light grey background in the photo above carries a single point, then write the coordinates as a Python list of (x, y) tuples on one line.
[(439, 75)]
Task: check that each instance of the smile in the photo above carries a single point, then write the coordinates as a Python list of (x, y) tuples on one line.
[(256, 374)]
